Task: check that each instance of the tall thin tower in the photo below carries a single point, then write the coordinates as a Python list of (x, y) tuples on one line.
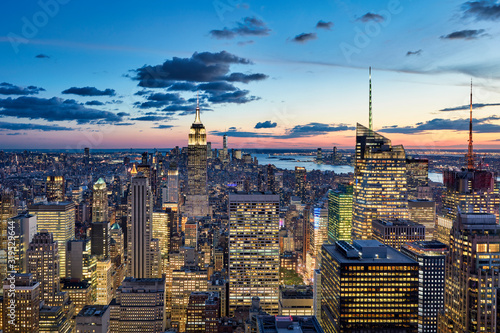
[(470, 153), (370, 102)]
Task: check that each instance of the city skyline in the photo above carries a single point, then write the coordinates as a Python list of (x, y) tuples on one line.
[(278, 76)]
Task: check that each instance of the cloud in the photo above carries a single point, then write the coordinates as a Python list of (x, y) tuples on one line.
[(42, 56), (410, 53), (151, 118), (232, 132), (465, 34), (34, 127), (266, 124), (482, 10), (371, 17), (466, 107), (89, 91), (324, 25), (251, 26), (54, 109), (217, 86), (94, 103), (163, 126), (238, 97), (304, 37), (182, 86), (481, 125), (123, 124), (10, 89), (245, 78), (312, 129)]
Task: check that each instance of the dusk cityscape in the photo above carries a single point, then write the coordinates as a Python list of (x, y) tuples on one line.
[(250, 166)]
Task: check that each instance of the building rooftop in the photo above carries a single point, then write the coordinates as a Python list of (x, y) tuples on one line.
[(282, 324), (397, 223), (366, 251), (93, 311)]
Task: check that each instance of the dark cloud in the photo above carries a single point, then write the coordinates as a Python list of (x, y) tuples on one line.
[(242, 134), (466, 107), (143, 92), (123, 114), (481, 125), (89, 91), (35, 127), (238, 97), (266, 124), (217, 86), (94, 103), (10, 89), (324, 25), (54, 109), (410, 53), (371, 17), (182, 86), (313, 129), (465, 34), (482, 10), (251, 26), (42, 56), (304, 37), (163, 126), (160, 100), (151, 118), (245, 78)]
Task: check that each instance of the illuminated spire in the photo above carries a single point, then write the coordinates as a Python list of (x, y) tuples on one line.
[(470, 153), (370, 125), (197, 120)]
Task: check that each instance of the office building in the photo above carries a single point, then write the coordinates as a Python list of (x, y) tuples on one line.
[(300, 182), (100, 202), (23, 302), (93, 319), (55, 319), (396, 233), (368, 287), (379, 182), (296, 301), (472, 275), (254, 256), (24, 226), (423, 212), (58, 219), (81, 265), (79, 292), (55, 188), (197, 193), (318, 235), (139, 306), (417, 175), (139, 254), (7, 211), (430, 256), (104, 281), (203, 312), (278, 324), (191, 233), (172, 183), (340, 213)]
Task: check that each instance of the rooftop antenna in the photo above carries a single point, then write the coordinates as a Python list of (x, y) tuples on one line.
[(470, 152), (370, 102), (197, 119)]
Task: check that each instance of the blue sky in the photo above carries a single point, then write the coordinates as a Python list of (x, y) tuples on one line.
[(298, 69)]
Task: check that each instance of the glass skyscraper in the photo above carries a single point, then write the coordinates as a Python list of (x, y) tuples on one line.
[(340, 213)]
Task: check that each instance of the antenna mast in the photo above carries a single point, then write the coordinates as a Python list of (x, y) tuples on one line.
[(370, 102)]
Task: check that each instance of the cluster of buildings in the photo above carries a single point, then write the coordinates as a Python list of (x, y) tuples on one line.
[(204, 240)]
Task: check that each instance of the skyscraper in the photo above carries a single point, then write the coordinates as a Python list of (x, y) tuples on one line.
[(7, 211), (139, 256), (25, 305), (417, 173), (423, 212), (379, 182), (197, 193), (203, 312), (368, 287), (254, 256), (173, 183), (57, 218), (24, 226), (100, 202), (300, 182), (340, 214), (54, 188), (472, 275)]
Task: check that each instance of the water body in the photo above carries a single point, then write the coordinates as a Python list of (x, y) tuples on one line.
[(289, 162)]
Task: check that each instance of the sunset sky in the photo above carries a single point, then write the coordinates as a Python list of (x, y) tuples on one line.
[(270, 74)]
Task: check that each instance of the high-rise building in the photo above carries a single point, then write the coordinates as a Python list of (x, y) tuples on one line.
[(55, 319), (472, 275), (319, 156), (21, 304), (43, 264), (80, 264), (203, 312), (58, 219), (161, 231), (340, 213), (379, 182), (191, 233), (278, 324), (80, 292), (254, 256), (100, 202), (93, 318), (430, 256), (423, 212), (185, 281), (99, 235), (396, 233), (296, 301), (139, 306), (300, 182), (368, 287), (172, 183), (318, 235), (104, 284), (317, 294), (24, 226), (7, 211), (271, 179), (54, 188), (139, 257), (417, 176), (86, 156), (197, 192)]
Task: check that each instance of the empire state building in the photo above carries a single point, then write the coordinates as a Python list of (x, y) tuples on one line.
[(197, 194)]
